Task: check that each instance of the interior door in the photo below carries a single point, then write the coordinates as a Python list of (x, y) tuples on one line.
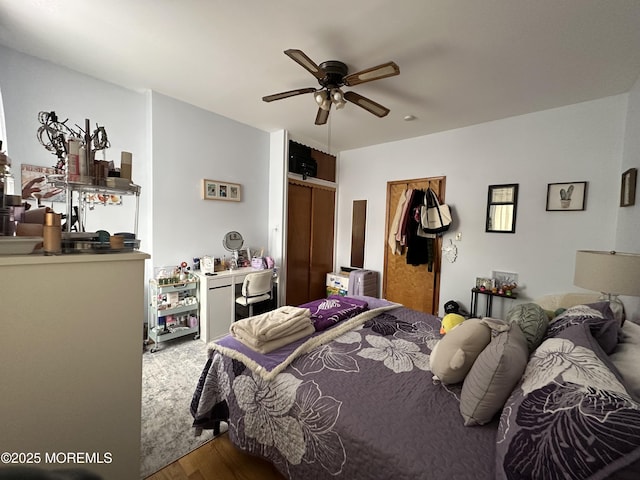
[(310, 232), (323, 214), (298, 243), (413, 286)]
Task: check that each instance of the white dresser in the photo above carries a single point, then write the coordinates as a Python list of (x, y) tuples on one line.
[(71, 360)]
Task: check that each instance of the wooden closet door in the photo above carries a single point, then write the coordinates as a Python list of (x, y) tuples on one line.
[(413, 286), (298, 244), (310, 230), (322, 224)]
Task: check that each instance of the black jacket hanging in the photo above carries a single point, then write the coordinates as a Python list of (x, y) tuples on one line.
[(420, 250)]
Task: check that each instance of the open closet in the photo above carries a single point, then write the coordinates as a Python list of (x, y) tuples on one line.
[(406, 280)]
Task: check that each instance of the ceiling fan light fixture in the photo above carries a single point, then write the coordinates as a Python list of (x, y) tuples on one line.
[(321, 96), (337, 98)]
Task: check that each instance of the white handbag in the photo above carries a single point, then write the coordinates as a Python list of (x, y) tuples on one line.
[(434, 218)]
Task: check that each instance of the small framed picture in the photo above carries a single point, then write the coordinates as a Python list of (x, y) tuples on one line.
[(484, 282), (504, 278), (216, 190), (563, 197), (628, 188)]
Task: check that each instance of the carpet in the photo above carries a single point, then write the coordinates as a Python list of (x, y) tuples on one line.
[(169, 378)]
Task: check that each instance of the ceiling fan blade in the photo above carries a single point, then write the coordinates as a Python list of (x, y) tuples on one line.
[(385, 70), (369, 105), (290, 93), (322, 116), (300, 57)]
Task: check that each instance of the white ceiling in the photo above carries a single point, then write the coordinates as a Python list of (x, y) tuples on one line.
[(461, 62)]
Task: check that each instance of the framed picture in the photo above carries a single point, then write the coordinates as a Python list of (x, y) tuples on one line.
[(504, 278), (628, 188), (216, 190), (566, 196), (484, 282), (34, 184)]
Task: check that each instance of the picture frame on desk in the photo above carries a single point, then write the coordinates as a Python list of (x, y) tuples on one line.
[(217, 190)]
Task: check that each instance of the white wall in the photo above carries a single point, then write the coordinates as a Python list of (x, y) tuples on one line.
[(30, 85), (627, 238), (189, 145), (581, 142), (175, 146)]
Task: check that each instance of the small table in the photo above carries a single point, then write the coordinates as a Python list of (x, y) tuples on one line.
[(476, 292)]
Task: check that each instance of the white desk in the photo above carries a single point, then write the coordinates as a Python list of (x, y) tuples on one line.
[(218, 301)]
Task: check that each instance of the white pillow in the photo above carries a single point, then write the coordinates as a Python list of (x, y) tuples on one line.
[(626, 357)]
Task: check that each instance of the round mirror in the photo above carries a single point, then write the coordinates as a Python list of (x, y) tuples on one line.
[(233, 241)]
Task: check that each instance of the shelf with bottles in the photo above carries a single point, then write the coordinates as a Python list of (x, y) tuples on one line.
[(173, 308)]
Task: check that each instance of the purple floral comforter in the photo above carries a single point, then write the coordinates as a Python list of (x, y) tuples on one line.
[(363, 406)]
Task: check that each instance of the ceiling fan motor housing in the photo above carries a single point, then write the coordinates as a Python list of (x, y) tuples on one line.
[(335, 71)]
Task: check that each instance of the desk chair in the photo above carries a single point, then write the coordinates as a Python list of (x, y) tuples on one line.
[(256, 288)]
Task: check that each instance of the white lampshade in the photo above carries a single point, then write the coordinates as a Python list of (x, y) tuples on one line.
[(608, 272)]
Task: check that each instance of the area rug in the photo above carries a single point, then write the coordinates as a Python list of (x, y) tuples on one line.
[(169, 378)]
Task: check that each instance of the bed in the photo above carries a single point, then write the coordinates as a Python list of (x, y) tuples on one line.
[(359, 401)]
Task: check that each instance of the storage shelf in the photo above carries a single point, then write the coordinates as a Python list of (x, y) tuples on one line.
[(159, 295), (163, 312)]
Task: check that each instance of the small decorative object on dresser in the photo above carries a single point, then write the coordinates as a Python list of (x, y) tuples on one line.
[(628, 188)]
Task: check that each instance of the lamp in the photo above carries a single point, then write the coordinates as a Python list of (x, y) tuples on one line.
[(322, 99), (610, 273), (325, 97)]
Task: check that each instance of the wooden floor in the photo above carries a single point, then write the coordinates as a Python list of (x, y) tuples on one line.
[(218, 459)]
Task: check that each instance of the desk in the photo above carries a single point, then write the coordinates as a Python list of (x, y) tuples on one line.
[(475, 292), (218, 301)]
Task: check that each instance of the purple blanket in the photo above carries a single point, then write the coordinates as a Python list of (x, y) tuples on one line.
[(326, 312), (359, 407), (268, 365)]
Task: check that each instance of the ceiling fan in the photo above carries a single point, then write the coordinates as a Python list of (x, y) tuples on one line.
[(332, 75)]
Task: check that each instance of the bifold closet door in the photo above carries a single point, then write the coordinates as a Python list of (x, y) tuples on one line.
[(298, 244), (310, 231), (322, 222), (413, 286)]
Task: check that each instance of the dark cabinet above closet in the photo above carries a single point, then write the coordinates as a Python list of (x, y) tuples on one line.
[(311, 163)]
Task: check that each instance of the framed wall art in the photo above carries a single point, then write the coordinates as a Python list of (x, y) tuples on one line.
[(628, 188), (34, 184), (216, 190), (562, 197)]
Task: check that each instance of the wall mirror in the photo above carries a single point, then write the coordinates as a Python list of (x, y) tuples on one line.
[(502, 204), (358, 224)]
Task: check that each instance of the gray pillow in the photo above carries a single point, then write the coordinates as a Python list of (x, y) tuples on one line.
[(493, 376), (532, 320)]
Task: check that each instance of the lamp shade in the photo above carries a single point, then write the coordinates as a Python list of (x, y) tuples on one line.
[(608, 272)]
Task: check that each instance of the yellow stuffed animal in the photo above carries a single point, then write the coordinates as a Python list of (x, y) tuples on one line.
[(449, 321)]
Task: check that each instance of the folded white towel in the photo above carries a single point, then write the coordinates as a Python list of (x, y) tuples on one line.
[(271, 345), (271, 325)]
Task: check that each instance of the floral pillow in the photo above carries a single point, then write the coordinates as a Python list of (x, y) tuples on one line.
[(598, 316), (570, 417)]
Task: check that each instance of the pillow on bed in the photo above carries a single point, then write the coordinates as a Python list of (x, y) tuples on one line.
[(626, 357), (453, 355), (493, 375), (532, 320), (598, 316), (572, 409)]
